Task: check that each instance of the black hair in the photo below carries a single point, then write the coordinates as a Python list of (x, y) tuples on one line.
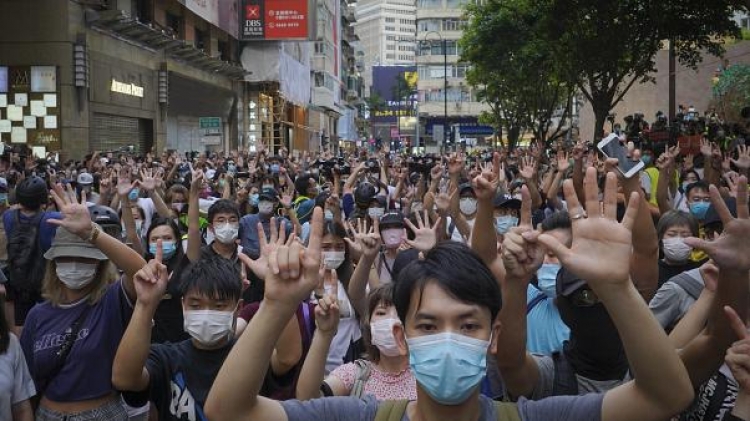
[(557, 220), (685, 174), (344, 272), (158, 222), (302, 183), (214, 277), (457, 270), (382, 295), (222, 206), (700, 185), (674, 218), (4, 328)]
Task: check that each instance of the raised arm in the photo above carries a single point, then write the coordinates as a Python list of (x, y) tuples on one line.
[(129, 371), (483, 237), (521, 259), (131, 234), (313, 370), (368, 240), (194, 230), (293, 272), (150, 182), (600, 255)]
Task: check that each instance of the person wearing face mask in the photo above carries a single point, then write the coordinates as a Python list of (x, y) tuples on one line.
[(506, 208), (458, 227), (545, 331), (168, 320), (392, 233), (307, 188), (686, 179), (177, 376), (672, 229), (70, 339), (385, 374), (448, 304)]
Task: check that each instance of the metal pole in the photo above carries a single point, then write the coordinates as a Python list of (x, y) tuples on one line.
[(445, 89), (416, 129), (398, 116)]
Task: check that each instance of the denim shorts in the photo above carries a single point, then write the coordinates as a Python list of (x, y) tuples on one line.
[(111, 411)]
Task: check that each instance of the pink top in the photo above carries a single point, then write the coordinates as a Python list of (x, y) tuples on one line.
[(382, 385)]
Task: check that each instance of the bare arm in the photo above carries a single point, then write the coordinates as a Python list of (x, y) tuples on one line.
[(129, 371), (194, 233), (22, 411), (131, 235), (644, 260), (313, 370), (288, 350)]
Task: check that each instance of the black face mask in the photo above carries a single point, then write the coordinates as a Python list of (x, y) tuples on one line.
[(594, 349)]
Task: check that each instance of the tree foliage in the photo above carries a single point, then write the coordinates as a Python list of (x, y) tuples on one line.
[(601, 48), (731, 93)]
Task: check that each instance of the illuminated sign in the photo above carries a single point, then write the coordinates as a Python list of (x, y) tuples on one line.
[(126, 88), (275, 20)]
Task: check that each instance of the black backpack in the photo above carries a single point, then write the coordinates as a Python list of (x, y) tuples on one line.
[(25, 258)]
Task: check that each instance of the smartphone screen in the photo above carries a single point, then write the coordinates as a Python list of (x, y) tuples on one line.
[(612, 148)]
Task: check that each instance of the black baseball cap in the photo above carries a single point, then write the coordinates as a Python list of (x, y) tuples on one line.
[(506, 201), (392, 219), (269, 194)]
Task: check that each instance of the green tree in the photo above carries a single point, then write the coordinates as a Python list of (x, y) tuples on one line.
[(604, 47), (513, 69), (731, 93)]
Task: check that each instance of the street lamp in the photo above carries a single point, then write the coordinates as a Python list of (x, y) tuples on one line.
[(444, 46)]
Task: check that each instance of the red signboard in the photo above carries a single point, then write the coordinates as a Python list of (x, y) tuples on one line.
[(275, 20)]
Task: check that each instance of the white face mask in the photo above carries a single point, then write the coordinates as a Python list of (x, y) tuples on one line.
[(382, 336), (328, 215), (226, 233), (265, 207), (468, 205), (75, 275), (375, 213), (392, 237), (333, 259), (208, 326), (675, 249)]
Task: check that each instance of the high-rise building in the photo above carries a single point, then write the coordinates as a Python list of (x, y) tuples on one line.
[(448, 107), (387, 30)]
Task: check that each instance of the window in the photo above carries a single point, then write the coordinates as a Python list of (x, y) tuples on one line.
[(174, 22), (390, 20), (429, 4), (224, 51), (390, 47), (390, 56), (142, 10), (390, 28), (202, 40), (450, 46), (390, 37)]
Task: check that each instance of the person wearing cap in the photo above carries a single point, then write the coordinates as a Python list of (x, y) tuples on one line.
[(506, 212), (268, 202), (392, 234), (85, 185), (70, 339), (31, 194)]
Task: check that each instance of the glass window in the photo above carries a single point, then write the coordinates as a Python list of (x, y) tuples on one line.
[(429, 4)]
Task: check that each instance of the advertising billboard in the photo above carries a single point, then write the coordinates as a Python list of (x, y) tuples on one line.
[(276, 20), (393, 92), (220, 13)]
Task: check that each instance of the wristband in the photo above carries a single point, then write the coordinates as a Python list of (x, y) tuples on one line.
[(95, 230)]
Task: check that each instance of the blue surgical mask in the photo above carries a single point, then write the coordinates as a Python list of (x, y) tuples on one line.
[(3, 198), (274, 168), (547, 279), (448, 366), (133, 195), (253, 199), (168, 248), (504, 223), (646, 159), (699, 209)]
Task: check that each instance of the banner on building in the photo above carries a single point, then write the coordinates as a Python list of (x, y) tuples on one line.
[(393, 93), (220, 13), (276, 20)]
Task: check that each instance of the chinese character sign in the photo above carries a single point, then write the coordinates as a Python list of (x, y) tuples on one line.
[(275, 19)]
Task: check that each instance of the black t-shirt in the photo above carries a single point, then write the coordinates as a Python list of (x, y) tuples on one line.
[(713, 399), (181, 376), (168, 320), (666, 272)]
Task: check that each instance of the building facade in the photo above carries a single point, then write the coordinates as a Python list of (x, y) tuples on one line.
[(448, 106), (109, 75), (387, 30)]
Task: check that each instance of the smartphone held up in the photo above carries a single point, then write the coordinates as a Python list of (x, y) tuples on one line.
[(611, 147)]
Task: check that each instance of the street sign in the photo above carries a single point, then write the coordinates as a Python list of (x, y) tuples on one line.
[(210, 125)]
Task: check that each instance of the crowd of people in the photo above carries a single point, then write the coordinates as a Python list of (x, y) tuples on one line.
[(536, 283)]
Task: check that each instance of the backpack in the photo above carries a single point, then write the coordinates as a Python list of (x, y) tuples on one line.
[(395, 410), (25, 257), (363, 373)]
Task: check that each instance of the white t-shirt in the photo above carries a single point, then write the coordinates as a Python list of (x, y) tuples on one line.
[(16, 384), (347, 333), (456, 234)]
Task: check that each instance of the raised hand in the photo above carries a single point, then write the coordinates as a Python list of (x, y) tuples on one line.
[(687, 164), (293, 270), (327, 310), (436, 172), (485, 185), (528, 168), (124, 185), (198, 179), (75, 214), (443, 200), (731, 248), (743, 158), (366, 241), (278, 238), (522, 254), (563, 161), (456, 164), (706, 148), (286, 197), (151, 281), (148, 182), (425, 236), (601, 248)]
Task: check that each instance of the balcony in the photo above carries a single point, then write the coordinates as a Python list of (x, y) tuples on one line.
[(155, 38), (323, 97)]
